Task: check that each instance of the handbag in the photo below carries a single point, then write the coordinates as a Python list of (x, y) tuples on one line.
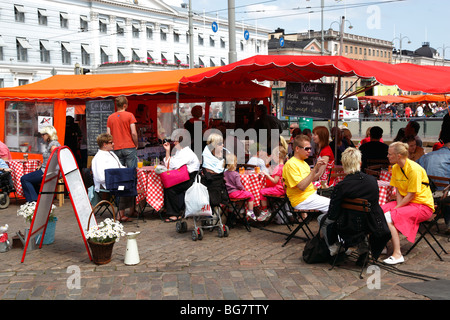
[(316, 250), (171, 178), (196, 200)]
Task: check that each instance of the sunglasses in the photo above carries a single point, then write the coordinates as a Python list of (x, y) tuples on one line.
[(306, 149), (110, 142)]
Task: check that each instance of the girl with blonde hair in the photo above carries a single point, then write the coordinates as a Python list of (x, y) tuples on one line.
[(414, 201), (234, 185)]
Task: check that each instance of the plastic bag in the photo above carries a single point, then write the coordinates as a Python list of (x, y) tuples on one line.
[(197, 200)]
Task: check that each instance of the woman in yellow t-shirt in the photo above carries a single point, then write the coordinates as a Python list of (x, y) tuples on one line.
[(414, 202)]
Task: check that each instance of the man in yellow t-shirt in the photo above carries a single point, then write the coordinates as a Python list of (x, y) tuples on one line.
[(298, 178)]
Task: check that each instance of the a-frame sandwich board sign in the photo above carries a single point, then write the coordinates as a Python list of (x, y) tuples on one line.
[(62, 162)]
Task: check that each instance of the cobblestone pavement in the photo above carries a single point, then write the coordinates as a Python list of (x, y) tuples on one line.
[(244, 266)]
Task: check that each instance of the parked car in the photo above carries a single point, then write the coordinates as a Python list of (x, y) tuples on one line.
[(440, 114)]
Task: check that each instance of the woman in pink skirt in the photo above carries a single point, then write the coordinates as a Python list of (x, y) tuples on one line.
[(414, 203), (278, 156), (234, 185)]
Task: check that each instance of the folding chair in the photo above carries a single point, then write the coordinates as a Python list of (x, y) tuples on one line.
[(237, 212), (302, 222), (372, 172), (440, 197), (104, 195), (426, 230), (121, 182), (360, 208), (278, 205)]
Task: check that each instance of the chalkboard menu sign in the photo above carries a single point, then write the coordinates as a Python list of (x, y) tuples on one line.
[(309, 99), (97, 113)]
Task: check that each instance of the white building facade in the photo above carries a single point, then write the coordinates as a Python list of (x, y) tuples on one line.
[(41, 38)]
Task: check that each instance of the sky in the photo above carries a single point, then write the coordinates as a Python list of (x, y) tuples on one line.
[(412, 21)]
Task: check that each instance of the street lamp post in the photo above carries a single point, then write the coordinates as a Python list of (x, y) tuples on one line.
[(401, 40), (341, 32), (443, 53)]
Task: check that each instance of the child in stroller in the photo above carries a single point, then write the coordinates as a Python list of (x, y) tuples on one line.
[(6, 184)]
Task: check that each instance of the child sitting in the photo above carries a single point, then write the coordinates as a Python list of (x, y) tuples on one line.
[(278, 156), (258, 157), (234, 185)]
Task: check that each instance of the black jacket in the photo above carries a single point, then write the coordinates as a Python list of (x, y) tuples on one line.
[(358, 185)]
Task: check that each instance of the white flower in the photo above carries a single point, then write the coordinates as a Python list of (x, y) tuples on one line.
[(106, 231)]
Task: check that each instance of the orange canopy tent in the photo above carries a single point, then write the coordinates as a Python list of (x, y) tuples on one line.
[(407, 99), (161, 86)]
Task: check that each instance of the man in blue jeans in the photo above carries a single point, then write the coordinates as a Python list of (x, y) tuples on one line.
[(122, 126)]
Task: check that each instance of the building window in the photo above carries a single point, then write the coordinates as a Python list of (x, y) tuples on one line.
[(149, 33), (135, 56), (83, 23), (222, 43), (104, 57), (103, 25), (2, 83), (42, 17), (163, 35), (23, 82), (120, 28), (242, 46), (44, 51), (1, 55), (21, 122), (19, 13), (212, 42), (85, 54), (65, 53), (64, 20), (176, 37), (135, 31), (22, 46), (200, 40)]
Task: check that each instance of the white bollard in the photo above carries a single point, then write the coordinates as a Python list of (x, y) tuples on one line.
[(132, 254)]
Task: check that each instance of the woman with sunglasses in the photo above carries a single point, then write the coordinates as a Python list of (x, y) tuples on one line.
[(321, 137), (181, 155), (105, 158)]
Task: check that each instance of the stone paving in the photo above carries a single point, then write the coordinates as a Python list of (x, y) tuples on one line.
[(244, 266)]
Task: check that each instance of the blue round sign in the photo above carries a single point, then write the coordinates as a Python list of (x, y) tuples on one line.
[(246, 35), (281, 42), (215, 26)]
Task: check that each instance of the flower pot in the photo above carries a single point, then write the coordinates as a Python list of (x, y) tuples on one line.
[(101, 252), (49, 237)]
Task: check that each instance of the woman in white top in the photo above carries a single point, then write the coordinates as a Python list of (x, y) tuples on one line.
[(105, 158), (174, 196)]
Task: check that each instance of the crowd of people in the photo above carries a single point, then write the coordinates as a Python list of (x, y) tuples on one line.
[(380, 109), (296, 169)]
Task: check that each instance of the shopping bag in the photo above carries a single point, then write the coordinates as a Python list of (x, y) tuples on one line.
[(196, 200)]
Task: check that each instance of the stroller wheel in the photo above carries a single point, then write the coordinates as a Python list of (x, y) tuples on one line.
[(181, 226), (194, 235), (4, 200), (226, 231), (220, 232)]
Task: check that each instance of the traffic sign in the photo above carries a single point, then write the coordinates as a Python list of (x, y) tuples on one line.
[(281, 42), (214, 26), (246, 35)]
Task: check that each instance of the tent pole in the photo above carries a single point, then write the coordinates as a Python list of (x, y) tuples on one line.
[(336, 117), (177, 105)]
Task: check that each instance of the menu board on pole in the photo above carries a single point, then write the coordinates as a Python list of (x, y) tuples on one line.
[(309, 99), (97, 113)]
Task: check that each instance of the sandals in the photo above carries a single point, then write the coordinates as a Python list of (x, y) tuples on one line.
[(124, 219), (172, 219)]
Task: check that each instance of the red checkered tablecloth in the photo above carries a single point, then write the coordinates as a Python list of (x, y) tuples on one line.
[(386, 190), (253, 182), (150, 187), (19, 168)]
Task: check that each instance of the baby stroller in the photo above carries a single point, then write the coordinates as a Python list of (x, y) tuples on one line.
[(202, 222), (6, 187)]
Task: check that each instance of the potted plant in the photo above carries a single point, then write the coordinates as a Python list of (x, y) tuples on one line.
[(27, 210), (101, 239)]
